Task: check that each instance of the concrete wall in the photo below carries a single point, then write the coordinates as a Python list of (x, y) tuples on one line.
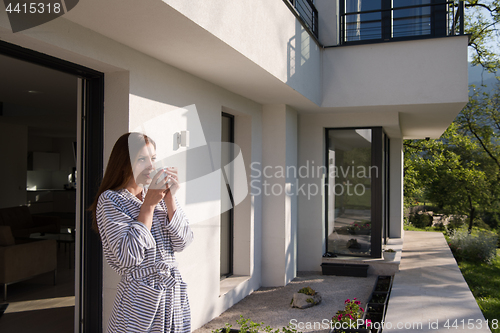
[(311, 201), (266, 32), (328, 21), (400, 73), (396, 188), (139, 88)]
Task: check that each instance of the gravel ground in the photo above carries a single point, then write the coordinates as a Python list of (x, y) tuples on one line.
[(272, 305)]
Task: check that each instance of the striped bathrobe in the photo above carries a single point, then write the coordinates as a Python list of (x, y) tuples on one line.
[(151, 295)]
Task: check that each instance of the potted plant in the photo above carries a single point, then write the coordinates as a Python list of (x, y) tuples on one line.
[(389, 255)]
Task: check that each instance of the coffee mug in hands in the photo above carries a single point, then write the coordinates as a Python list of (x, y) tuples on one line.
[(161, 178)]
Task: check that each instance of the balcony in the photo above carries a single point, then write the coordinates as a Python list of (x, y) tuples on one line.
[(307, 14), (363, 21)]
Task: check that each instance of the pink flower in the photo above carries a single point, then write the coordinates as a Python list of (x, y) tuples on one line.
[(362, 310), (347, 300), (350, 316)]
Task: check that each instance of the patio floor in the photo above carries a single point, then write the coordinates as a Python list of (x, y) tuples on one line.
[(272, 305), (429, 294)]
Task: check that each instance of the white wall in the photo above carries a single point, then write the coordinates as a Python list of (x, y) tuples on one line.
[(399, 73), (328, 21), (311, 152), (165, 90), (266, 32)]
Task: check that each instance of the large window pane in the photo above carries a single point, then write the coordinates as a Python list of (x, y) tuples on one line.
[(384, 20), (349, 191), (363, 26), (411, 21), (227, 217)]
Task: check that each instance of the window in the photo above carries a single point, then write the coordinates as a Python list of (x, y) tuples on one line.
[(383, 20), (356, 191), (227, 216)]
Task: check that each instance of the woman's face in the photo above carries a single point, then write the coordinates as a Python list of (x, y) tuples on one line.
[(143, 164)]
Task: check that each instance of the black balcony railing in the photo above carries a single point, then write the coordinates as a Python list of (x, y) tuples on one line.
[(436, 19), (306, 12)]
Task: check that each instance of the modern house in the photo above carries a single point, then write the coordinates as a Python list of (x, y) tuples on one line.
[(317, 95)]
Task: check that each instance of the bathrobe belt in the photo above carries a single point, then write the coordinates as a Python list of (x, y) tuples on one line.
[(167, 274)]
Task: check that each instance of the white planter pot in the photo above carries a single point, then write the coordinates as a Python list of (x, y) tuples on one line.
[(389, 256)]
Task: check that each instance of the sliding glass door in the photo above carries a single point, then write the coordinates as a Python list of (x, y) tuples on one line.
[(354, 191)]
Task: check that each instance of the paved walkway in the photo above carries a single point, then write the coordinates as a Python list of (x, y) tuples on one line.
[(429, 293)]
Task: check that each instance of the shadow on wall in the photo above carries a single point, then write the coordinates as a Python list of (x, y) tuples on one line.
[(300, 64)]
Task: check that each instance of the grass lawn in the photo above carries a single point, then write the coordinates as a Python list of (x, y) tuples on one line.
[(412, 228), (484, 282)]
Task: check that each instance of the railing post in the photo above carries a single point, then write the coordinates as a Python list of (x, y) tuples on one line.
[(461, 8)]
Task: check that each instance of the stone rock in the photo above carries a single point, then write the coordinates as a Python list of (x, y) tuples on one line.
[(303, 301)]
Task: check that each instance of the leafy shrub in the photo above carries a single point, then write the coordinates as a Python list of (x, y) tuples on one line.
[(480, 224), (440, 226), (248, 326), (456, 222), (421, 220), (308, 291), (477, 246), (492, 219), (406, 221)]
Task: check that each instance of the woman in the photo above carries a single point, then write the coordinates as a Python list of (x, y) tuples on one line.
[(141, 226)]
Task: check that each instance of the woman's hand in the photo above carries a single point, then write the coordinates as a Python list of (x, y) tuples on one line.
[(156, 192), (172, 187), (172, 181)]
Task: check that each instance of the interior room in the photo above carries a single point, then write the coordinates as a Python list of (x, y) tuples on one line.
[(38, 138)]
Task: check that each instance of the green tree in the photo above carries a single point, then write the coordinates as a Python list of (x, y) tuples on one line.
[(482, 19), (448, 173)]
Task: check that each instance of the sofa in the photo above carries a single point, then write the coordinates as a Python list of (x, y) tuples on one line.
[(23, 259), (22, 223)]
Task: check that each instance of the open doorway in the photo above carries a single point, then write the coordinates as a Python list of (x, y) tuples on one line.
[(38, 129), (51, 118)]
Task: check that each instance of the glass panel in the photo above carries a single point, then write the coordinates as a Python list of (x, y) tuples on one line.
[(349, 191), (352, 6), (363, 26), (411, 21)]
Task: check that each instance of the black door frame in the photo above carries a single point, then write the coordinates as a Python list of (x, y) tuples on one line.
[(90, 315), (377, 190), (228, 187)]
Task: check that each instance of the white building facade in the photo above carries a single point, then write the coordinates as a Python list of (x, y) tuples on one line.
[(319, 108)]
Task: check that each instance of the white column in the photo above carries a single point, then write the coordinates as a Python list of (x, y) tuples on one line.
[(396, 188), (279, 218)]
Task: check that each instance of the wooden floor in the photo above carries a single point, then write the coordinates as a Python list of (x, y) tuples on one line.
[(37, 305)]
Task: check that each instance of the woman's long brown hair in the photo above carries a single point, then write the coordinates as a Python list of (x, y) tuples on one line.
[(119, 169)]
